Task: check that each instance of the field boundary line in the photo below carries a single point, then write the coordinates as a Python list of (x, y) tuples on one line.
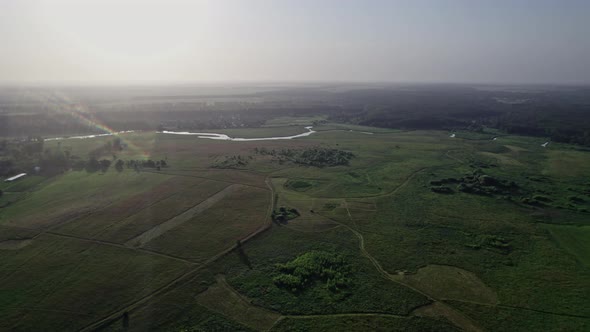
[(71, 312), (350, 314), (119, 245), (204, 177), (465, 322), (118, 221), (513, 307), (176, 221)]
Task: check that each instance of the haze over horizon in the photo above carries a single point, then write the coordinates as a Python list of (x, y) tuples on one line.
[(522, 41)]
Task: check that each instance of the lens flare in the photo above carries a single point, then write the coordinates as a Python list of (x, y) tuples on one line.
[(60, 103)]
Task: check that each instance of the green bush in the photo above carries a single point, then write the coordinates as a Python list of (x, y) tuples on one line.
[(312, 267)]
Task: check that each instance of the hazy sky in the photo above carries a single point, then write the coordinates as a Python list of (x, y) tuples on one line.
[(524, 41)]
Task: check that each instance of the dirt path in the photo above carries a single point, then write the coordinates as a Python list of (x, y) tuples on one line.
[(437, 308), (223, 298), (246, 301), (189, 275), (456, 317), (176, 282), (442, 309), (154, 232), (391, 192), (512, 307)]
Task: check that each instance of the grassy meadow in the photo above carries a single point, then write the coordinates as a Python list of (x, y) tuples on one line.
[(431, 232)]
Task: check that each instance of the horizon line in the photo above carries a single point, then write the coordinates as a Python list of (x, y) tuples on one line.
[(157, 82)]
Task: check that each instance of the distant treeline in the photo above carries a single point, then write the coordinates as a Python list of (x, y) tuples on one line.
[(561, 114), (30, 156)]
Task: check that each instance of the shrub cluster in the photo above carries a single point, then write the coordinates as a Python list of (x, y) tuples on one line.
[(311, 267), (313, 156), (477, 183), (284, 214), (236, 161)]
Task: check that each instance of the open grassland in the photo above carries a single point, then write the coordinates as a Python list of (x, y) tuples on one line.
[(431, 233), (448, 282), (568, 163), (27, 183), (502, 318), (222, 298), (574, 239)]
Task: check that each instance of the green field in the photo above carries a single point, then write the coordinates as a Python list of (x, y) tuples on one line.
[(431, 233), (574, 239)]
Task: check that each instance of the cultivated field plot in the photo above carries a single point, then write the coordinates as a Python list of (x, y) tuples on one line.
[(574, 239), (227, 176), (76, 194), (240, 211), (96, 222), (70, 278), (222, 298), (161, 211)]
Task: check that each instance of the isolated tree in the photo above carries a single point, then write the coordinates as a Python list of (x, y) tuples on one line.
[(119, 165), (126, 320), (105, 164), (92, 165), (117, 144)]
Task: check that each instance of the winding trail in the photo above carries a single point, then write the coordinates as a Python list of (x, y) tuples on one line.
[(456, 317), (513, 307)]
